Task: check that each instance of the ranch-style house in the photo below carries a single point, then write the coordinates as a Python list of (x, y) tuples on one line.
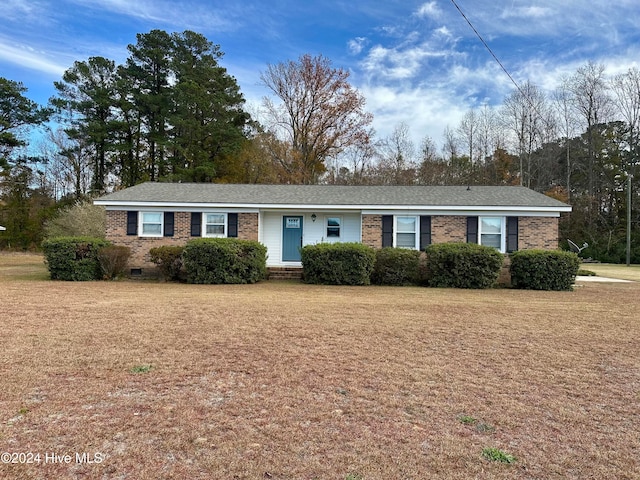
[(286, 217)]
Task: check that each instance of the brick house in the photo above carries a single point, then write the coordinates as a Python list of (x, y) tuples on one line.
[(286, 217)]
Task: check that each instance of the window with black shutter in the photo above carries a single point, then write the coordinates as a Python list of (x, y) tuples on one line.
[(132, 223), (425, 231), (232, 225), (472, 229), (196, 224), (512, 234), (387, 230), (168, 224)]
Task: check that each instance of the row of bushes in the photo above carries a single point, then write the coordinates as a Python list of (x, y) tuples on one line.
[(455, 265), (225, 260), (219, 260)]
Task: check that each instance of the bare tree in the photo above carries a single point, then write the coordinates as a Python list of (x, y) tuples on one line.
[(524, 113), (397, 164), (591, 100), (450, 145), (489, 134), (69, 168), (626, 90), (319, 114), (562, 100), (354, 166), (468, 133), (432, 169)]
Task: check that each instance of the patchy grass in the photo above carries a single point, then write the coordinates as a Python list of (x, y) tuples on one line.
[(493, 454), (283, 381), (140, 369)]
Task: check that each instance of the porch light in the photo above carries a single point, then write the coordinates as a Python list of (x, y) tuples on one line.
[(313, 217)]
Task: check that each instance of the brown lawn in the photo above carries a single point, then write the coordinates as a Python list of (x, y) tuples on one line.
[(290, 381)]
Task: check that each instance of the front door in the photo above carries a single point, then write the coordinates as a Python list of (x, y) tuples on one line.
[(291, 238)]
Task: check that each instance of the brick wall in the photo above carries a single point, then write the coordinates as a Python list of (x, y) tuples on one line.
[(448, 229), (248, 226), (538, 232), (140, 246), (372, 230)]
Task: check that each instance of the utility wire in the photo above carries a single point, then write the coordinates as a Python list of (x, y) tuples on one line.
[(526, 97), (489, 49)]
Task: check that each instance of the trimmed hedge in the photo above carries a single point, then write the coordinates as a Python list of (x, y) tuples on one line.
[(224, 260), (544, 269), (338, 263), (462, 265), (74, 258), (169, 261), (397, 266)]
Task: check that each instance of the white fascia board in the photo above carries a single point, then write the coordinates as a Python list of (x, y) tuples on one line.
[(467, 210), (364, 209), (182, 207)]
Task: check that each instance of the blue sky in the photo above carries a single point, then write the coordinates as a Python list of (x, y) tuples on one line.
[(414, 61)]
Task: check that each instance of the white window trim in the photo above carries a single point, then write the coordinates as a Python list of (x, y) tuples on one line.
[(326, 228), (416, 242), (503, 231), (141, 224), (215, 235)]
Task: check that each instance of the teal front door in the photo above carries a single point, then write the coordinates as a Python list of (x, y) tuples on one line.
[(291, 238)]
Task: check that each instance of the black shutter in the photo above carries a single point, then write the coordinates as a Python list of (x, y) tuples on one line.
[(425, 231), (512, 234), (232, 225), (387, 230), (132, 223), (168, 224), (196, 224), (472, 229)]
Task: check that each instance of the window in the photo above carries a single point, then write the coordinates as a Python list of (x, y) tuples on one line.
[(491, 232), (215, 224), (334, 224), (151, 224), (406, 232)]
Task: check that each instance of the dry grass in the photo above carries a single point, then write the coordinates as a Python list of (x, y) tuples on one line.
[(289, 381)]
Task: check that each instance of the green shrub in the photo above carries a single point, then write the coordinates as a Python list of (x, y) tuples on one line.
[(396, 266), (338, 263), (544, 269), (169, 261), (224, 260), (113, 260), (462, 265), (74, 258)]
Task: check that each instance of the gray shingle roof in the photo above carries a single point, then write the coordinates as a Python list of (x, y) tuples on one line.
[(330, 195)]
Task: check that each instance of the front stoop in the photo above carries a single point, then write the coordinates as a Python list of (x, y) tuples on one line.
[(284, 273)]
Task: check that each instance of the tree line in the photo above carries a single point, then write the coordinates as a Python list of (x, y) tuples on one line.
[(171, 112)]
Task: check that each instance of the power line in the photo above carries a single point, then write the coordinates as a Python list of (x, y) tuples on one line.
[(488, 48)]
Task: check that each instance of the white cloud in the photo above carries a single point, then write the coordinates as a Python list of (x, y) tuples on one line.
[(527, 13), (189, 14), (429, 10), (356, 45), (426, 110), (31, 58)]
